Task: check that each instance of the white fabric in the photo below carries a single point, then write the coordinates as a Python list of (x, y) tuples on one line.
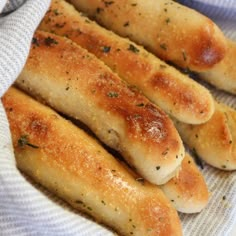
[(27, 209)]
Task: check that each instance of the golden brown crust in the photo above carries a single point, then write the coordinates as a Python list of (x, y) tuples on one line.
[(223, 74), (165, 86), (214, 141), (187, 191), (78, 84), (190, 41), (74, 166)]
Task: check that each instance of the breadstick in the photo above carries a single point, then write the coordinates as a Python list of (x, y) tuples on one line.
[(187, 191), (171, 31), (76, 83), (223, 74), (68, 162), (173, 91), (214, 141)]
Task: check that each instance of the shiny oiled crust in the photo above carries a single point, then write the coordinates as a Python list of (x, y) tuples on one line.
[(76, 83), (214, 141), (187, 191), (173, 91), (74, 166), (171, 31), (223, 74)]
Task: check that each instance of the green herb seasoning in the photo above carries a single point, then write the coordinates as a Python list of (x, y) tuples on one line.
[(126, 24), (49, 41), (133, 49), (162, 66), (55, 11), (35, 42), (165, 152), (167, 20), (79, 202), (108, 3), (112, 94), (106, 49), (137, 116), (184, 56), (140, 105), (158, 167), (163, 46), (23, 141), (57, 25)]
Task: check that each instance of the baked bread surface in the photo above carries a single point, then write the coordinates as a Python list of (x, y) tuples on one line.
[(174, 92), (168, 29), (187, 191), (76, 83), (223, 74), (68, 162), (215, 140)]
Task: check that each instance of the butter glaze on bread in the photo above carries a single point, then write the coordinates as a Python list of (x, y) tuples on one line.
[(214, 141), (46, 130), (75, 82), (223, 74), (171, 31), (187, 191), (75, 167), (173, 91)]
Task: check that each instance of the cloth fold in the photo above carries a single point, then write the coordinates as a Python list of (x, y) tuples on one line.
[(27, 209)]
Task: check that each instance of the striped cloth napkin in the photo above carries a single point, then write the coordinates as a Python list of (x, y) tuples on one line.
[(27, 209)]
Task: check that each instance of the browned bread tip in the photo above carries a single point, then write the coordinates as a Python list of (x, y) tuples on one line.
[(223, 74), (215, 140), (187, 191)]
